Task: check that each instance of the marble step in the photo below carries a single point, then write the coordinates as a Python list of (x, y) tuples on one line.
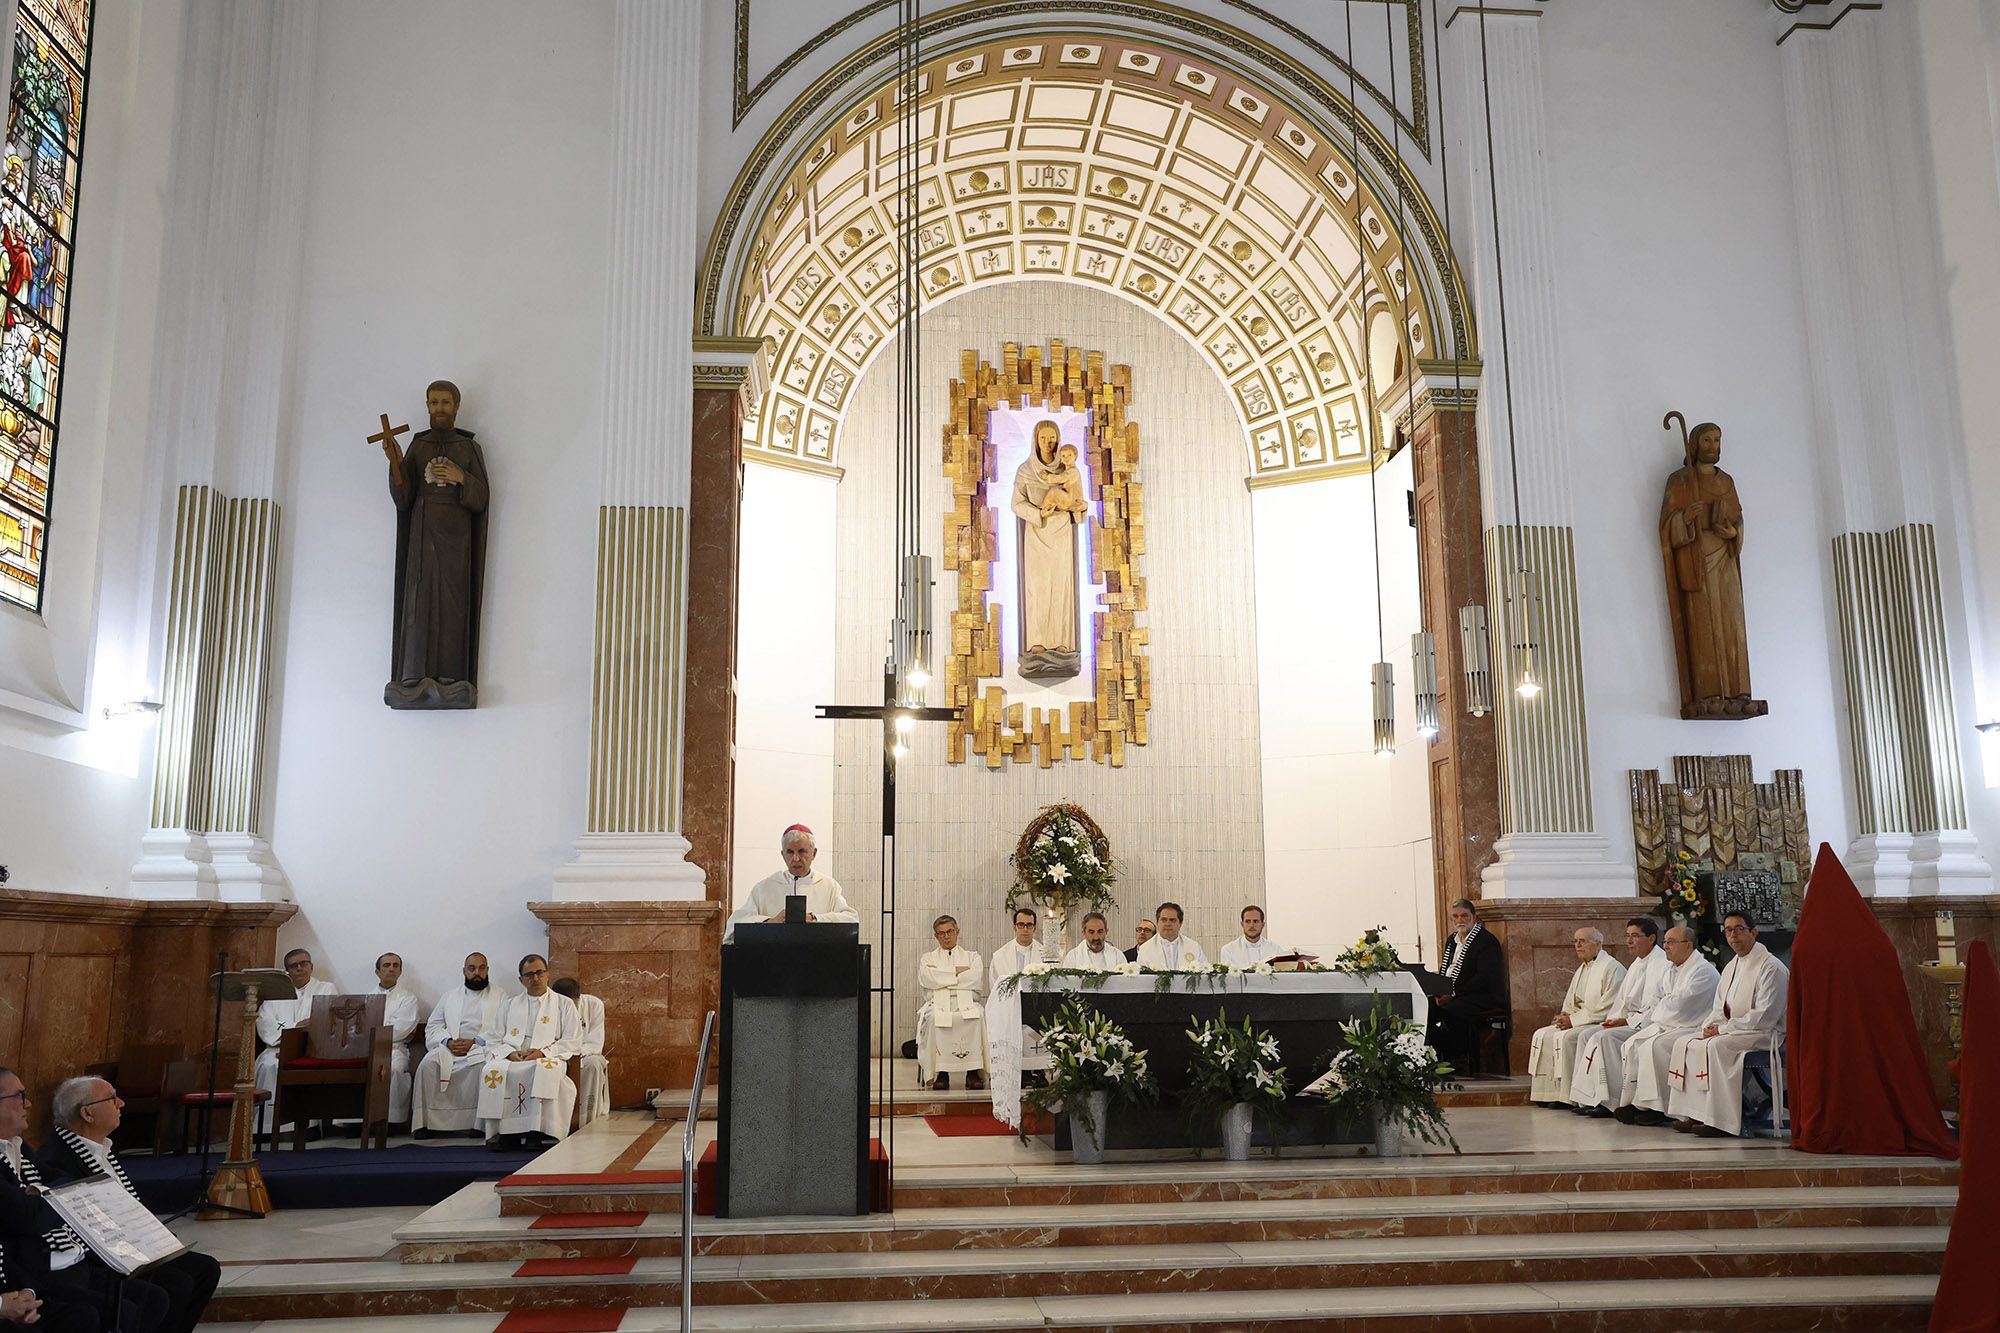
[(1183, 1180), (475, 1234), (347, 1289)]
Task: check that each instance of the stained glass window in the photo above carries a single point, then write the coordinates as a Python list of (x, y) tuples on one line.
[(51, 64)]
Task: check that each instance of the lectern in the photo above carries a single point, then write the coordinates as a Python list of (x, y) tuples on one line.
[(793, 1132)]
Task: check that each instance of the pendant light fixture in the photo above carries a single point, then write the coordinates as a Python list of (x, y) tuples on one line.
[(1522, 591), (907, 669)]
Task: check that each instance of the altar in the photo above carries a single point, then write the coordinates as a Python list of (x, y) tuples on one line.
[(1302, 1011)]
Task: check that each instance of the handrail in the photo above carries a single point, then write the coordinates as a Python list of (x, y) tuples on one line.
[(687, 1176)]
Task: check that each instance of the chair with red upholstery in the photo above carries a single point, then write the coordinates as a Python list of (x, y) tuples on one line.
[(336, 1065)]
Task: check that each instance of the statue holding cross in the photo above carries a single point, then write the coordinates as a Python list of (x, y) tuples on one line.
[(440, 491)]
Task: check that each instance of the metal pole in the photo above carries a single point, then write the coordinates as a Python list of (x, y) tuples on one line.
[(687, 1175)]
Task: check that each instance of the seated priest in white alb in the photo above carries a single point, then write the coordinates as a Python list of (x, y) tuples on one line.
[(1587, 1002), (951, 1025), (446, 1088), (1003, 1008), (824, 900), (1253, 946), (1679, 1012), (593, 1071), (1705, 1076), (274, 1016), (401, 1012), (1171, 951), (526, 1098), (1599, 1070), (1094, 955)]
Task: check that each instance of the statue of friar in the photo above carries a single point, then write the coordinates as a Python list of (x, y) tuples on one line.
[(440, 491), (1701, 538)]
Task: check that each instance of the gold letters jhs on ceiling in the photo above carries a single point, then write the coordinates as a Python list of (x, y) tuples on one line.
[(1123, 687)]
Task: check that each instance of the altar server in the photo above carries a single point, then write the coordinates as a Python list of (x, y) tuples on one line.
[(401, 1012), (1587, 1003), (275, 1016), (1253, 946), (85, 1113), (593, 1071), (824, 899), (951, 1025), (1705, 1077), (1012, 1048), (1599, 1070), (446, 1096), (1094, 955), (1679, 1012), (1171, 951), (525, 1096)]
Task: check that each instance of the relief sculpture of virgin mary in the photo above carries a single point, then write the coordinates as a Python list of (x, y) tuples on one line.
[(1048, 503)]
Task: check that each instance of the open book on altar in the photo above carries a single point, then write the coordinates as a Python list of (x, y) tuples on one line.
[(117, 1227), (1293, 962)]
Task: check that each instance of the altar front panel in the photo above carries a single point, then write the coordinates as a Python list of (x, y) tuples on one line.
[(1302, 1011)]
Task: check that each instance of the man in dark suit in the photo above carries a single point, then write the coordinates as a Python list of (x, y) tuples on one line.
[(86, 1112), (1477, 969), (44, 1255)]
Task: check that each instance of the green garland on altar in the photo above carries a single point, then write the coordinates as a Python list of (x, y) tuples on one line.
[(1215, 977)]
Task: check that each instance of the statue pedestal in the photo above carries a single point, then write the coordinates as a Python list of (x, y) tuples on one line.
[(657, 966)]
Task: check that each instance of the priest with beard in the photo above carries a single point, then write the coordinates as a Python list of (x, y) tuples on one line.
[(526, 1097), (1705, 1078), (1094, 955), (446, 1093)]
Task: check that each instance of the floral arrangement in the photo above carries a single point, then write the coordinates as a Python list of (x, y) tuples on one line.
[(1063, 863), (1088, 1053), (1216, 976), (1385, 1069), (1681, 901), (1229, 1064), (1369, 954)]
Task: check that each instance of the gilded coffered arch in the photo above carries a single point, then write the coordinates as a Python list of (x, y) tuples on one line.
[(1178, 183)]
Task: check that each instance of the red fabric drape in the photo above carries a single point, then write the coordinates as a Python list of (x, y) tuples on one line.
[(1968, 1297), (1855, 1069)]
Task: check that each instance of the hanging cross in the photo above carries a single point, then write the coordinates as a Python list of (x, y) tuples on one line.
[(387, 439)]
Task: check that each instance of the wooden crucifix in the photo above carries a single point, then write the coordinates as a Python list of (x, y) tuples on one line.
[(387, 439)]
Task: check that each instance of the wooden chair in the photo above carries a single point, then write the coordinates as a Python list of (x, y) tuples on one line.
[(1496, 1027), (152, 1082), (336, 1065)]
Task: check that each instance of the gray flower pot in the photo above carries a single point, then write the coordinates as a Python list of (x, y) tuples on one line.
[(1388, 1138), (1086, 1148), (1236, 1133)]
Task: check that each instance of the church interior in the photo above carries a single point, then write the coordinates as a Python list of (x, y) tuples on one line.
[(917, 520)]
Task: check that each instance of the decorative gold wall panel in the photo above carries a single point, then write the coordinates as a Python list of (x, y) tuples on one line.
[(1115, 717), (1715, 812), (635, 703)]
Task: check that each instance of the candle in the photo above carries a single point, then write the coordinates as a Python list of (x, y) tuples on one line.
[(1947, 940)]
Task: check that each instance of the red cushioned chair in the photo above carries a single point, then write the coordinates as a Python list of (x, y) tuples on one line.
[(336, 1065), (225, 1102)]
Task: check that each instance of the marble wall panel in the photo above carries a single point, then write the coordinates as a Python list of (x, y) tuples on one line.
[(708, 749)]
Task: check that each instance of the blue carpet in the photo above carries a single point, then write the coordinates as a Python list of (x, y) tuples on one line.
[(335, 1177)]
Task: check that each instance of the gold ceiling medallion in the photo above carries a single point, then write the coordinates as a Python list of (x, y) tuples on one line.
[(1120, 673)]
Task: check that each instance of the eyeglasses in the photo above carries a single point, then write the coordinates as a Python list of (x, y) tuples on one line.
[(538, 972), (1738, 930), (114, 1097), (22, 1094), (294, 967)]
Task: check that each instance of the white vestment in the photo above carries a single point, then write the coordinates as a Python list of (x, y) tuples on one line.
[(273, 1018), (1705, 1078), (1679, 1012), (1165, 955), (1011, 1046), (951, 1025), (530, 1096), (824, 900), (593, 1073), (1599, 1070), (446, 1088), (402, 1013), (1242, 953), (1592, 992), (1106, 959)]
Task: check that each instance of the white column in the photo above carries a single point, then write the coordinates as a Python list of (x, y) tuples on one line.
[(1548, 846), (632, 847), (223, 377), (1887, 428)]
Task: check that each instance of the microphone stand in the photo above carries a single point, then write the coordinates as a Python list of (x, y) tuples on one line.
[(208, 1107)]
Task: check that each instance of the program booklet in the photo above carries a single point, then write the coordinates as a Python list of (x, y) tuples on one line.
[(118, 1228)]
